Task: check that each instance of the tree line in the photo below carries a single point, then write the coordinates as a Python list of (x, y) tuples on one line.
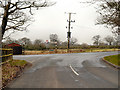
[(108, 40), (54, 42), (38, 44)]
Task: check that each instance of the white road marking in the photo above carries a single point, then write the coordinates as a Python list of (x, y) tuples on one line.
[(31, 61), (74, 71)]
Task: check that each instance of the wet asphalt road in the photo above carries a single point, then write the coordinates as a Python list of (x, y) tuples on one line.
[(80, 70)]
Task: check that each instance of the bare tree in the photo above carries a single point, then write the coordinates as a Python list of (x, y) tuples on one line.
[(101, 43), (117, 40), (109, 40), (37, 42), (73, 40), (84, 45), (64, 43), (109, 11), (54, 39), (25, 41), (96, 39), (13, 14)]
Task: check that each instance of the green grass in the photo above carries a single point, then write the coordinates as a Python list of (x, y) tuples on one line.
[(99, 50), (114, 59), (18, 62)]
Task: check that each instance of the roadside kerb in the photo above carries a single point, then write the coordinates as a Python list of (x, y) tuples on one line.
[(113, 65)]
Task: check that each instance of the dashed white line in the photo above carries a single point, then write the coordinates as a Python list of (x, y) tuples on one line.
[(74, 71)]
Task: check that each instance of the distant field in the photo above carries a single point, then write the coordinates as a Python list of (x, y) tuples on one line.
[(114, 59), (60, 51)]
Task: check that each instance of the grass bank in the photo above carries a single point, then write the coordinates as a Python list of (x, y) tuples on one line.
[(114, 59), (11, 70)]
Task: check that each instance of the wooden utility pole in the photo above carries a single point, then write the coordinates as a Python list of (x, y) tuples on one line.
[(69, 27)]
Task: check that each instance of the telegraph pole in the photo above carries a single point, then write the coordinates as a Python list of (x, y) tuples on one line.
[(69, 27)]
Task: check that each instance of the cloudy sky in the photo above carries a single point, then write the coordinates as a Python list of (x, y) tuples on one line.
[(53, 20)]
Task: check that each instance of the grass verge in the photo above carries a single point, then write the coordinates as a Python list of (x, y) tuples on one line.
[(62, 51), (11, 70), (114, 59)]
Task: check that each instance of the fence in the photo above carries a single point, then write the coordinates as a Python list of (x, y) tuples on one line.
[(6, 54)]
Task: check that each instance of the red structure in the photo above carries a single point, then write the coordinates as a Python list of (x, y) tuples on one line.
[(13, 45), (17, 49)]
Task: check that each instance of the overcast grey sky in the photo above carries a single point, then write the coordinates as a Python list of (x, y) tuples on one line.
[(53, 20)]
